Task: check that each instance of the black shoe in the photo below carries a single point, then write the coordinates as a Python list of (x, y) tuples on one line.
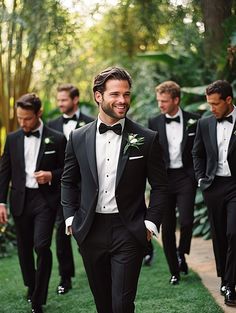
[(64, 286), (29, 295), (174, 280), (147, 260), (183, 266), (36, 309), (223, 289), (230, 296)]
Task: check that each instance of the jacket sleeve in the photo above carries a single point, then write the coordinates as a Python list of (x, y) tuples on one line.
[(5, 172)]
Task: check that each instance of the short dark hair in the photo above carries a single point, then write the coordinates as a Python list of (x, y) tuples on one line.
[(169, 87), (71, 89), (222, 87), (114, 73), (29, 101)]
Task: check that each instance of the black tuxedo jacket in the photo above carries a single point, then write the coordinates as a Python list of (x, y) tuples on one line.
[(134, 167), (57, 123), (205, 151), (189, 131), (12, 168)]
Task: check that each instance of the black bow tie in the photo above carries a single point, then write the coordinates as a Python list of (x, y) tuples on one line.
[(117, 128), (35, 134), (67, 119), (175, 119), (226, 118)]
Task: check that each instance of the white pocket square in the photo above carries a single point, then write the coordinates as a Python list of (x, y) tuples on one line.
[(50, 152), (191, 134), (136, 157)]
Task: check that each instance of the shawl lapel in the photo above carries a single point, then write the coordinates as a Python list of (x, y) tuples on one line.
[(90, 143)]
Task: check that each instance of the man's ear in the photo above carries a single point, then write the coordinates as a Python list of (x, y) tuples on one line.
[(229, 100), (98, 96), (40, 113)]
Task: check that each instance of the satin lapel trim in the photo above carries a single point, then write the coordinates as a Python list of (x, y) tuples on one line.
[(90, 141), (185, 132), (212, 133), (41, 149), (232, 139), (123, 158), (163, 137), (21, 149)]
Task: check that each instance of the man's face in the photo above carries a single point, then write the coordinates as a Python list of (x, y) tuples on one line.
[(65, 103), (27, 119), (167, 104), (218, 106), (114, 103)]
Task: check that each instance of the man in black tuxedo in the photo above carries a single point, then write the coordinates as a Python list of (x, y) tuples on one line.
[(214, 156), (72, 118), (111, 158), (32, 161), (176, 129)]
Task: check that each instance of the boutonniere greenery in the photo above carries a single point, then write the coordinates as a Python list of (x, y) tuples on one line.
[(235, 132), (190, 122), (48, 140), (133, 141), (81, 123)]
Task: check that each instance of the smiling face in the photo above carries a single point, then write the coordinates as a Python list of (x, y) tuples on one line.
[(218, 106), (114, 102)]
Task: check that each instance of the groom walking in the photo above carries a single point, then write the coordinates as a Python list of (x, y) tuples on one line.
[(111, 158)]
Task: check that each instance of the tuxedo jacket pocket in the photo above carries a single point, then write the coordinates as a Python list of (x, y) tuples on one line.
[(136, 157), (191, 134), (50, 152)]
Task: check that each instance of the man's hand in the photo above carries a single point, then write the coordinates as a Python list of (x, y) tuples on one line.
[(3, 214), (69, 230), (149, 235), (43, 177)]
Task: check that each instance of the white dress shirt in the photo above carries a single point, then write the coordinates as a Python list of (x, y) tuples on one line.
[(31, 151), (224, 132), (174, 133), (71, 125), (107, 156)]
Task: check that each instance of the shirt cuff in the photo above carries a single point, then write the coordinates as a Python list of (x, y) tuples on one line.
[(68, 222), (199, 182), (151, 227)]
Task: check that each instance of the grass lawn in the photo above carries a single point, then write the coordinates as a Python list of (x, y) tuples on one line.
[(155, 295)]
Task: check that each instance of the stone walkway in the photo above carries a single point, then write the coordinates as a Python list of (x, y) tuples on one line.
[(201, 260)]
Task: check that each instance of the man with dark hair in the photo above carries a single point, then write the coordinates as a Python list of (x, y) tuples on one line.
[(176, 129), (214, 155), (111, 158), (32, 161), (72, 118)]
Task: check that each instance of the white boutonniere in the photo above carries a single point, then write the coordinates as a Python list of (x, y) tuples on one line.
[(81, 123), (190, 122), (47, 140), (133, 141), (235, 132)]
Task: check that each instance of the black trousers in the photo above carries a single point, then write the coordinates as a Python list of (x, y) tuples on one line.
[(182, 192), (64, 248), (34, 233), (112, 258), (220, 199)]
